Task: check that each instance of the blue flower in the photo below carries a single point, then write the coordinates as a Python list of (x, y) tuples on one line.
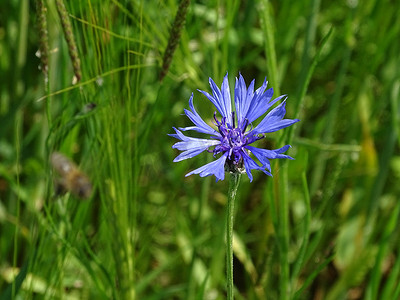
[(235, 131)]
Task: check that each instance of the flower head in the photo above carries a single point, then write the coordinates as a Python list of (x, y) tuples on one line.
[(234, 130)]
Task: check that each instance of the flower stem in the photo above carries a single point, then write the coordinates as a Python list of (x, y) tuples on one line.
[(234, 181)]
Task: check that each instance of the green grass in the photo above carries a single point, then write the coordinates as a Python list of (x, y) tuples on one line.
[(326, 226)]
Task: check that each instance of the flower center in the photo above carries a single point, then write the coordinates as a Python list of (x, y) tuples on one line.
[(233, 140)]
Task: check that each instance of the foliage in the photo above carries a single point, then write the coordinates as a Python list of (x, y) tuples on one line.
[(326, 226)]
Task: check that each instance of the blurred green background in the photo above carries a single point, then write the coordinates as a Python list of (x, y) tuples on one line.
[(326, 226)]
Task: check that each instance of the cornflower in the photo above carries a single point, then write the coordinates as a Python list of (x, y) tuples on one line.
[(234, 131)]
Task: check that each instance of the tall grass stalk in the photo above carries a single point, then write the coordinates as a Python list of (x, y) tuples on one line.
[(69, 37), (280, 182), (174, 36)]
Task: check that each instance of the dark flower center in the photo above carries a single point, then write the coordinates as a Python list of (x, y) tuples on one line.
[(233, 140)]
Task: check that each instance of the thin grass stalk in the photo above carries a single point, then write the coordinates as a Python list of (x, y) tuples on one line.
[(376, 275), (326, 137), (18, 87), (281, 196), (18, 134), (304, 82), (16, 92), (69, 37), (174, 37), (231, 10), (270, 53), (279, 187), (43, 38), (387, 152), (306, 232), (309, 43), (234, 181), (391, 282), (132, 79)]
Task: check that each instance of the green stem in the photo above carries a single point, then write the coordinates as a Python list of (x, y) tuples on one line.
[(234, 181)]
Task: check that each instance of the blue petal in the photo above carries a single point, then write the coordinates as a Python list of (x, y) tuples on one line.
[(201, 126), (195, 144), (250, 164), (188, 154), (265, 162), (263, 155), (262, 104), (214, 101), (243, 98), (251, 105), (216, 168), (273, 121), (222, 101), (256, 100), (190, 146), (226, 98)]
